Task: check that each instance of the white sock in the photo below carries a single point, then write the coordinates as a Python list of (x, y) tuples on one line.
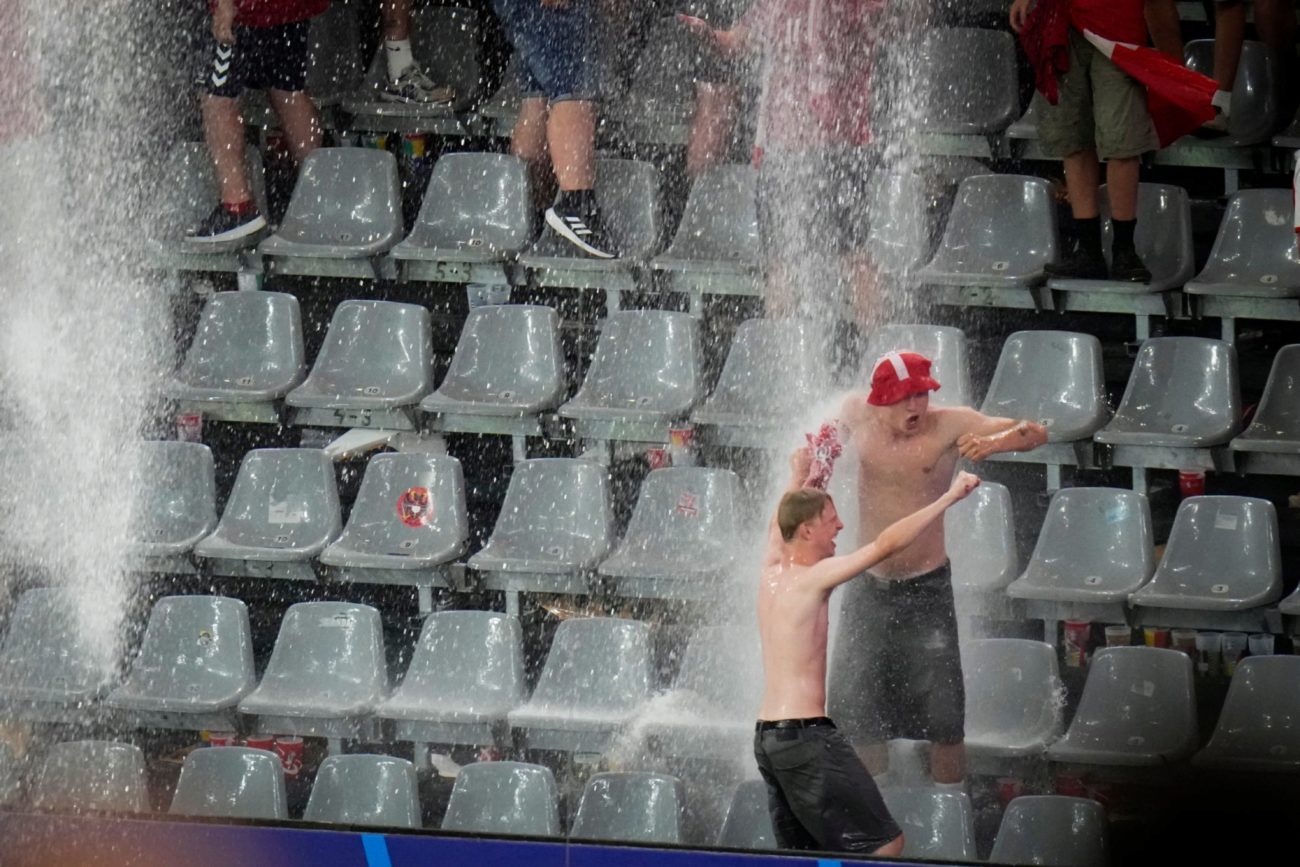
[(1223, 101), (954, 788), (398, 54)]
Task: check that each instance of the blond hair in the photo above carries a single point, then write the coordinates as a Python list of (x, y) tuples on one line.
[(799, 507)]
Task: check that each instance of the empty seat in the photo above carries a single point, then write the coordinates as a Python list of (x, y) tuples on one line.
[(445, 42), (231, 783), (1001, 232), (968, 81), (195, 664), (408, 520), (1259, 727), (718, 232), (644, 375), (1163, 239), (176, 503), (748, 823), (681, 540), (504, 798), (937, 825), (1183, 393), (981, 540), (1053, 830), (327, 673), (365, 790), (554, 528), (1254, 93), (282, 511), (901, 244), (1254, 253), (643, 808), (465, 676), (92, 775), (596, 678), (1027, 126), (1276, 426), (944, 345), (1013, 697), (187, 192), (1138, 708), (1054, 378)]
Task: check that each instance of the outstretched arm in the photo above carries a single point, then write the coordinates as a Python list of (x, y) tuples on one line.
[(800, 462), (983, 435)]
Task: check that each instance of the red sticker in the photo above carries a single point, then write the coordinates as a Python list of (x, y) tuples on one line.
[(415, 507), (686, 506)]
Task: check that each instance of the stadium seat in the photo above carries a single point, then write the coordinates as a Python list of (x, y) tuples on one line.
[(368, 790), (900, 245), (508, 369), (1272, 442), (231, 783), (247, 354), (595, 681), (748, 823), (92, 775), (1053, 830), (1013, 698), (1138, 708), (967, 78), (681, 541), (327, 673), (282, 512), (374, 367), (981, 541), (1254, 253), (1001, 232), (1259, 726), (176, 506), (504, 798), (554, 528), (1254, 93), (466, 674), (1027, 126), (1054, 378), (195, 664), (187, 192), (630, 807), (10, 775), (935, 825), (644, 375), (717, 240), (944, 345)]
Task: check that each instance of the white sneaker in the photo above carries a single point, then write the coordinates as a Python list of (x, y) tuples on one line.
[(444, 765), (414, 87)]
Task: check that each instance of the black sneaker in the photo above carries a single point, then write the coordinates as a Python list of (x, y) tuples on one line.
[(1078, 264), (583, 230), (224, 225), (1126, 266)]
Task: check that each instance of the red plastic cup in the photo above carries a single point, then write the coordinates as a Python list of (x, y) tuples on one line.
[(1154, 636), (222, 739), (681, 446), (290, 751), (189, 427), (489, 754), (658, 458), (1078, 639), (1071, 786), (260, 742), (1191, 483), (1009, 788)]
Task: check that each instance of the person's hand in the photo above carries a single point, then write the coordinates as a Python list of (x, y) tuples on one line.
[(223, 22), (962, 485), (975, 448), (801, 464), (1019, 12)]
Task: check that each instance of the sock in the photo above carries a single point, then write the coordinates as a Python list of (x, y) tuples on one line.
[(1088, 231), (398, 54), (1222, 101), (954, 788), (577, 201), (240, 209), (1123, 234)]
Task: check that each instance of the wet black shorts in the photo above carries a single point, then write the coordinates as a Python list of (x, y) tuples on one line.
[(262, 58), (820, 796), (896, 665)]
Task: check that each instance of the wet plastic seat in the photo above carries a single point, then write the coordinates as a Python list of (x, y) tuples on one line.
[(504, 798), (1053, 830), (282, 512), (718, 233), (633, 807), (944, 345), (935, 825), (680, 542), (1138, 708), (369, 790), (1013, 703), (1259, 726), (10, 775), (92, 775), (981, 540), (748, 823), (327, 673), (595, 681), (465, 676), (194, 665), (900, 245), (1254, 253), (1254, 93), (1054, 378), (231, 783), (1027, 126), (176, 506), (968, 77), (1274, 433), (187, 192)]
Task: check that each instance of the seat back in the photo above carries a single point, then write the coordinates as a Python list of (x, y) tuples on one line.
[(345, 197), (92, 775), (981, 539), (282, 498), (411, 505), (684, 518), (248, 343), (330, 651), (470, 657), (365, 790), (231, 782), (723, 667), (630, 807), (1093, 541), (1053, 830), (774, 371), (187, 188), (597, 662), (559, 507), (645, 360), (374, 350), (720, 222), (476, 202), (1260, 721), (47, 655), (176, 505), (938, 825), (1277, 418), (748, 823), (1182, 387), (1254, 93), (1222, 553), (504, 798), (1013, 692), (900, 244), (1054, 378), (999, 225), (508, 354), (1163, 237), (1255, 247), (968, 81), (197, 649)]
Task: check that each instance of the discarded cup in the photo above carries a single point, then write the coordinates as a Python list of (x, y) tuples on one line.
[(657, 457), (1260, 644), (1191, 483), (1118, 635), (1156, 636), (1208, 649), (1184, 640), (222, 739), (1234, 645), (1078, 636), (1071, 786), (189, 427), (681, 446), (290, 751), (1009, 788), (260, 742)]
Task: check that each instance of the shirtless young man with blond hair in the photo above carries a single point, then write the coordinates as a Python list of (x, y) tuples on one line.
[(897, 670), (819, 794)]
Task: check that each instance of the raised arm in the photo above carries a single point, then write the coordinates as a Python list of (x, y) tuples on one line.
[(800, 462), (980, 435)]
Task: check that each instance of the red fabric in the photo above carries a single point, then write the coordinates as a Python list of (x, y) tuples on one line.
[(1120, 20), (22, 117), (898, 376), (826, 447), (1178, 99), (1046, 40), (273, 13)]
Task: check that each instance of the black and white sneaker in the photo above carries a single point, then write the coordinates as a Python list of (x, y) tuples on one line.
[(413, 87), (225, 225), (583, 230)]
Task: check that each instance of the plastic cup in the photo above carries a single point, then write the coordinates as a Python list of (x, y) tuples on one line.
[(1071, 786), (189, 427), (1260, 644), (1156, 636), (1118, 635), (1209, 646), (1234, 645), (290, 751), (1191, 483), (1078, 637), (1184, 640), (260, 742), (1009, 788), (222, 739)]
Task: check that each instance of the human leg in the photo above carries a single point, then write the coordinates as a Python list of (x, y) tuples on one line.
[(407, 82), (712, 124), (300, 121)]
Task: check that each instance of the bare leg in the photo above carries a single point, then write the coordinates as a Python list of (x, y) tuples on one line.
[(1082, 174), (892, 849), (1122, 187), (948, 762), (396, 15), (223, 128), (711, 127), (1229, 31), (869, 287), (528, 142), (571, 134), (300, 120)]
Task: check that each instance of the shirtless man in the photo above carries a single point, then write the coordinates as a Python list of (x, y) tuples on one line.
[(819, 794), (897, 671)]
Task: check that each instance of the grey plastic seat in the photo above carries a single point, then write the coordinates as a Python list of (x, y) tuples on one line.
[(408, 520), (176, 506), (1275, 428), (504, 798), (508, 363), (555, 526), (1001, 232), (1138, 708), (327, 673), (719, 228), (369, 790), (1254, 93), (748, 823), (194, 665), (969, 81), (633, 807), (1183, 393), (1013, 704), (901, 244), (937, 825), (680, 541), (1054, 378), (1254, 253), (1163, 239), (92, 775), (231, 783), (10, 775), (644, 374), (981, 541), (187, 193), (282, 511), (1259, 726), (51, 667), (1053, 830), (944, 345), (346, 205), (465, 676), (1027, 126), (596, 678), (445, 43)]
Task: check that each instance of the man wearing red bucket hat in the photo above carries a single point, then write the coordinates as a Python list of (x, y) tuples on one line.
[(896, 670)]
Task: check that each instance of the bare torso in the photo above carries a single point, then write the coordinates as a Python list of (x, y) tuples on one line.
[(792, 622)]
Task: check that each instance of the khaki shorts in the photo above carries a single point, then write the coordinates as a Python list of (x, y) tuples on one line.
[(1099, 108)]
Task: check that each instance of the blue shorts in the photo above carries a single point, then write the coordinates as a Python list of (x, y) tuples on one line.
[(557, 47)]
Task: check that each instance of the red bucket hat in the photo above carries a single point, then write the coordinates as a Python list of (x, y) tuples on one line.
[(898, 376)]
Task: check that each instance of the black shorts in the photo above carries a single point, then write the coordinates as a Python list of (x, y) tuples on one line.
[(262, 58), (815, 205), (820, 796), (896, 665)]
